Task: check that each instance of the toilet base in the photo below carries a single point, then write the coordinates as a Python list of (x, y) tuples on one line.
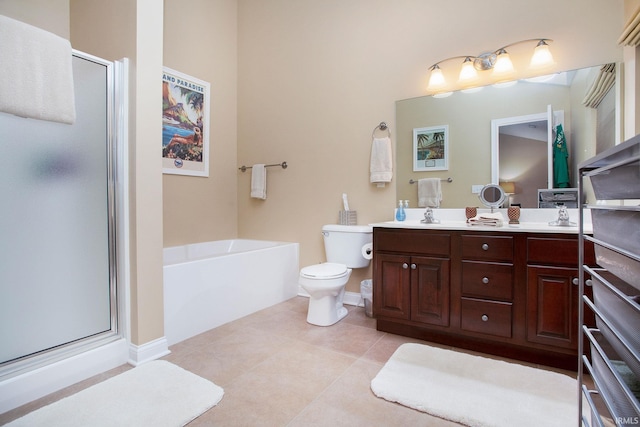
[(325, 311)]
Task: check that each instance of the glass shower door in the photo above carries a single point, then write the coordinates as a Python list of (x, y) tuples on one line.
[(57, 263)]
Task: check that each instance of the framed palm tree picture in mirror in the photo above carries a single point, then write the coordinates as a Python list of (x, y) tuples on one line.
[(431, 148)]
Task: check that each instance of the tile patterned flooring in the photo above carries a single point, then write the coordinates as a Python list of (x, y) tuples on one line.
[(278, 370)]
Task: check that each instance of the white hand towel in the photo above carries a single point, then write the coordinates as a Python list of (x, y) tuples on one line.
[(37, 75), (429, 193), (381, 165), (259, 181), (494, 219)]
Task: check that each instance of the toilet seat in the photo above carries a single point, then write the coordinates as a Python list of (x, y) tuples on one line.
[(327, 270)]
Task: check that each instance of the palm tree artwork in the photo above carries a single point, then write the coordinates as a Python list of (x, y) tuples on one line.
[(430, 146)]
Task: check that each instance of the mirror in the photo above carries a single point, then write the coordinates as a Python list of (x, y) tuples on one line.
[(492, 196), (469, 117)]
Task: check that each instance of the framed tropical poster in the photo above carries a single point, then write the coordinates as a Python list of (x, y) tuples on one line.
[(431, 148), (185, 124)]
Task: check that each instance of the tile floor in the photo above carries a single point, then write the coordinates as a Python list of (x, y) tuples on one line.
[(277, 370)]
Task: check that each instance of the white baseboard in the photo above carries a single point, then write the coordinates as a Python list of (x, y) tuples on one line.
[(32, 385), (152, 350), (350, 298)]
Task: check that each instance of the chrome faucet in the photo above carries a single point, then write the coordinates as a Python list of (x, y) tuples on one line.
[(563, 218), (428, 217)]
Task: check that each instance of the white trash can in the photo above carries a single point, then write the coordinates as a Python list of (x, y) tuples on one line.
[(366, 292)]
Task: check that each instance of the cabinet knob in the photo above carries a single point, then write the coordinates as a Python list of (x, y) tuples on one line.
[(589, 283), (485, 318), (405, 265), (575, 281), (413, 266), (485, 247), (485, 280)]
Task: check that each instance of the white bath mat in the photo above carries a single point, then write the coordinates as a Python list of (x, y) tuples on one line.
[(155, 394), (476, 391)]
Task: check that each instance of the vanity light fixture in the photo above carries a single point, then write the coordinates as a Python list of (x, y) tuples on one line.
[(498, 61)]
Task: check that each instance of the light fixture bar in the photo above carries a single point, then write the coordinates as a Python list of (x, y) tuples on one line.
[(497, 60)]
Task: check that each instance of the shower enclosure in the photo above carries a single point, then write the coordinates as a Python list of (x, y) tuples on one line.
[(58, 260)]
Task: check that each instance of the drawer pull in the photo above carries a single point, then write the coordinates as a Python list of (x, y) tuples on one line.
[(485, 318), (413, 266), (485, 247), (405, 265), (485, 280)]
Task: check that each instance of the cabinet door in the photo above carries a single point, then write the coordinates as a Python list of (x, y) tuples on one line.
[(430, 290), (391, 286), (552, 306)]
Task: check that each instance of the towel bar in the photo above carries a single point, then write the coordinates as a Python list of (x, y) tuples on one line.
[(284, 165), (411, 181)]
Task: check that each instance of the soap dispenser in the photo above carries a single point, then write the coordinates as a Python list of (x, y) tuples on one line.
[(400, 213)]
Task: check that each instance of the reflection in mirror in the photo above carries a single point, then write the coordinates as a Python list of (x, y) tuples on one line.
[(469, 117)]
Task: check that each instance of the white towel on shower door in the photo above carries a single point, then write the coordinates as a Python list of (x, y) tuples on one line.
[(37, 74), (259, 181)]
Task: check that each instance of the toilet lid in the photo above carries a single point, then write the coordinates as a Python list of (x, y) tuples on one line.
[(325, 270)]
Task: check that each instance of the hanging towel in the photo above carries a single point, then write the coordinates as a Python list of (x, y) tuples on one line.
[(381, 166), (429, 193), (560, 160), (259, 181), (37, 77)]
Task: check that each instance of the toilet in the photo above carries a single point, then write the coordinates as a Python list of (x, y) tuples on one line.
[(346, 247)]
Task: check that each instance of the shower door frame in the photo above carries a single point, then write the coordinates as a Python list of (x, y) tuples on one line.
[(117, 233)]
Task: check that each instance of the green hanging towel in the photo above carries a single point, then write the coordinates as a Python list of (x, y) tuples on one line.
[(560, 160)]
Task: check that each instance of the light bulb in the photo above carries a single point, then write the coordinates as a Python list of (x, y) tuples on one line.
[(503, 66), (468, 73), (437, 78), (542, 57)]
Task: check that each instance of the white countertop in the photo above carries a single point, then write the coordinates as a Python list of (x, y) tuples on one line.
[(531, 221)]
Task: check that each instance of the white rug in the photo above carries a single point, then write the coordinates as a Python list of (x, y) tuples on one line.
[(156, 393), (476, 391)]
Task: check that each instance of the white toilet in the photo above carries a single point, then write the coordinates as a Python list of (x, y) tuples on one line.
[(346, 247)]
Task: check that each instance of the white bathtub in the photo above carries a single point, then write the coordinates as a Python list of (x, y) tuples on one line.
[(212, 283)]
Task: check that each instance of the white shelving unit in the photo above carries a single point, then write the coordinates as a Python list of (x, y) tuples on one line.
[(610, 352), (554, 197)]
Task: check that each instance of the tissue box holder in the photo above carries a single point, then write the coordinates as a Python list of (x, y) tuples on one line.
[(348, 218)]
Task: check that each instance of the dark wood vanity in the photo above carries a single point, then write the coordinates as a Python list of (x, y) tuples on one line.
[(512, 294)]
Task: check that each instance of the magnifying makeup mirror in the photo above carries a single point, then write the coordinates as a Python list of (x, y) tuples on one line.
[(492, 196)]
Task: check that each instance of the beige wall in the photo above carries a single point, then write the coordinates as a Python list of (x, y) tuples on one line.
[(315, 78), (50, 15), (203, 44)]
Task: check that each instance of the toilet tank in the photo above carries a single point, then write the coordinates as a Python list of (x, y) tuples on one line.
[(344, 244)]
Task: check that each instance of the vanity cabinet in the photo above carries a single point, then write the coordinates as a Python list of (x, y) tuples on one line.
[(514, 294), (552, 291), (413, 287)]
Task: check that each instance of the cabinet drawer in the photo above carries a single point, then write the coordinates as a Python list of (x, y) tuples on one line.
[(491, 248), (418, 242), (487, 280), (552, 251), (487, 317)]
